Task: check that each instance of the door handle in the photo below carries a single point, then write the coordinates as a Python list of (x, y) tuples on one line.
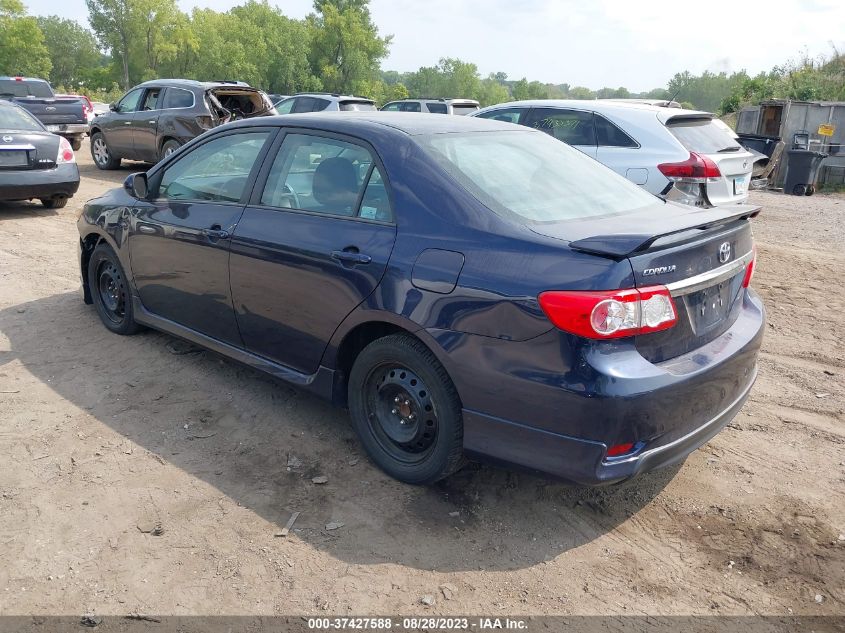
[(215, 233), (351, 256)]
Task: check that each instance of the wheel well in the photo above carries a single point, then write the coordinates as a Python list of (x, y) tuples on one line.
[(93, 131), (89, 243), (352, 344)]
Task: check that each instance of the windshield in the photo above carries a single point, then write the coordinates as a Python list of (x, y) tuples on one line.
[(14, 88), (532, 176), (704, 136), (12, 118)]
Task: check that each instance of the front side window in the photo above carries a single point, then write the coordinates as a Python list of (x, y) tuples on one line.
[(178, 98), (326, 175), (130, 102), (392, 107), (411, 106), (216, 171), (285, 107), (570, 126), (530, 177), (609, 135), (509, 115)]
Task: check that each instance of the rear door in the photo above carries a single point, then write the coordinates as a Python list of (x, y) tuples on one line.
[(575, 127), (713, 139), (179, 242), (145, 125), (312, 244)]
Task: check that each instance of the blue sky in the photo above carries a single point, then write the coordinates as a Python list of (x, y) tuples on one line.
[(639, 44)]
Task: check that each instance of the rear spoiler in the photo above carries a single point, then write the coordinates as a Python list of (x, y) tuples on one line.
[(621, 245)]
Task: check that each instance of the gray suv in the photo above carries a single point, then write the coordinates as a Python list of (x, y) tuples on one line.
[(324, 102), (433, 106)]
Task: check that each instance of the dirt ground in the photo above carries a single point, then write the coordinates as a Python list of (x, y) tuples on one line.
[(104, 439)]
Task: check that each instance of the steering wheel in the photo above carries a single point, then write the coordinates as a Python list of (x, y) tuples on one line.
[(288, 190)]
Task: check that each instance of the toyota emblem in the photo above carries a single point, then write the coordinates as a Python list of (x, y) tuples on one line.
[(7, 139), (725, 252)]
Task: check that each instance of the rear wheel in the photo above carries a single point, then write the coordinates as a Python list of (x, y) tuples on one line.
[(406, 410), (54, 203), (799, 190), (110, 291), (168, 148), (101, 153), (811, 190)]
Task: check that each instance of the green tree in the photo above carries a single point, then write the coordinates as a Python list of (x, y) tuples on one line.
[(112, 21), (22, 48), (346, 49), (580, 92), (73, 50)]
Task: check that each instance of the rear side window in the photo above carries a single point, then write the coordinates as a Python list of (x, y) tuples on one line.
[(325, 175), (357, 106), (704, 136), (571, 126), (286, 106), (178, 98), (215, 171), (436, 108), (411, 106), (608, 135), (530, 177), (303, 104)]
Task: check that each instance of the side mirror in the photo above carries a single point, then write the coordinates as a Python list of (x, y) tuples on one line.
[(113, 106), (136, 185)]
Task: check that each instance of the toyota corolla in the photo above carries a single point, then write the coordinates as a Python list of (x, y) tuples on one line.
[(467, 288)]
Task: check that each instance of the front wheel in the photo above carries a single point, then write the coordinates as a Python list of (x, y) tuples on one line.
[(101, 153), (406, 410), (110, 290)]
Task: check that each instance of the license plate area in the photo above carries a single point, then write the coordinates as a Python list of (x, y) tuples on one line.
[(14, 158), (710, 306), (740, 186)]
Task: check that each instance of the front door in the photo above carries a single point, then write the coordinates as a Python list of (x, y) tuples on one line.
[(145, 126), (117, 126), (574, 127), (312, 244), (179, 241)]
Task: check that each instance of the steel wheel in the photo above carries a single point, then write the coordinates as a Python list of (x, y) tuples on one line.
[(112, 292), (400, 412)]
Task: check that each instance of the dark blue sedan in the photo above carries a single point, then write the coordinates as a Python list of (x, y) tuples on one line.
[(467, 288)]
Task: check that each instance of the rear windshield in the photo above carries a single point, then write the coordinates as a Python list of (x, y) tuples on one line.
[(464, 109), (704, 136), (358, 106), (13, 88), (531, 177), (13, 118)]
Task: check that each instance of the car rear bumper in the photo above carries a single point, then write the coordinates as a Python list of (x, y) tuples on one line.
[(608, 396), (68, 129), (62, 180)]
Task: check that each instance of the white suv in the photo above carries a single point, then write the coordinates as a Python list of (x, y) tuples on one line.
[(683, 155), (433, 106)]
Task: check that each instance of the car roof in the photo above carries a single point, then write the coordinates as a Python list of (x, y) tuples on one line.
[(602, 105), (192, 83), (331, 95), (409, 123)]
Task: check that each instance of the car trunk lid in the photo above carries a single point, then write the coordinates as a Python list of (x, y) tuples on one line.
[(700, 255)]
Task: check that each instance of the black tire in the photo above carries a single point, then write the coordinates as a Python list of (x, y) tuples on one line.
[(101, 153), (54, 203), (110, 291), (76, 144), (170, 146), (406, 410), (799, 190)]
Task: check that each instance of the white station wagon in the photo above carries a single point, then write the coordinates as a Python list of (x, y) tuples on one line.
[(683, 155)]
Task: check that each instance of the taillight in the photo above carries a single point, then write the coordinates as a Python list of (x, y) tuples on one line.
[(65, 152), (610, 313), (749, 269), (696, 168), (620, 449)]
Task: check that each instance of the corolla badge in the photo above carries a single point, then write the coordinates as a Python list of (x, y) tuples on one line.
[(724, 252), (7, 139), (660, 270)]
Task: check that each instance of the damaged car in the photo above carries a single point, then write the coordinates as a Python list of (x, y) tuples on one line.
[(155, 118)]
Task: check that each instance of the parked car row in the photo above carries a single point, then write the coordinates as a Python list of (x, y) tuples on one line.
[(467, 287)]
